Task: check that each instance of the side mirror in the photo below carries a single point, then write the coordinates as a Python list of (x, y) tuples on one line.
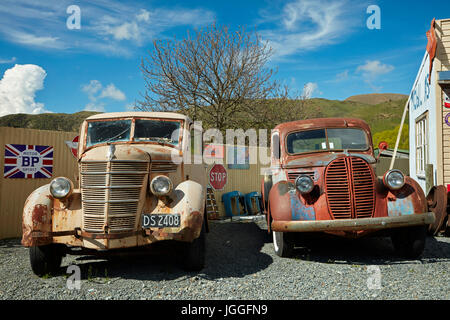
[(382, 146)]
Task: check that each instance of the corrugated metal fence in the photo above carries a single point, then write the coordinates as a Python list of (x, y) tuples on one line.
[(14, 192)]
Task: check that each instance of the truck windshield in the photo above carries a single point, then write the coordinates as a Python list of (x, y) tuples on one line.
[(108, 131), (157, 130), (161, 131), (326, 140)]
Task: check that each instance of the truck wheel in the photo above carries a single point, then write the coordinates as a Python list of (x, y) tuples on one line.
[(409, 242), (45, 259), (194, 259), (283, 244)]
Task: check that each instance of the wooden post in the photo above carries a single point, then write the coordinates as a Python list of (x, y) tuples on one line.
[(429, 181)]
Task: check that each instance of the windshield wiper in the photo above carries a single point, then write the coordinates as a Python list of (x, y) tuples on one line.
[(161, 139), (118, 135)]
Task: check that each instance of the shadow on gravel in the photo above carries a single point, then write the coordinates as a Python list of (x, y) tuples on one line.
[(365, 251), (10, 243), (233, 249)]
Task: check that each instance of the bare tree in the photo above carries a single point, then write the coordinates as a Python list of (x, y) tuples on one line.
[(215, 75)]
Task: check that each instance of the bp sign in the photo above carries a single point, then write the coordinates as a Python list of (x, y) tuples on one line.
[(217, 177)]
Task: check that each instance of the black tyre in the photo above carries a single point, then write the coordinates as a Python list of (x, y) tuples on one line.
[(45, 259), (283, 244), (409, 242), (194, 258)]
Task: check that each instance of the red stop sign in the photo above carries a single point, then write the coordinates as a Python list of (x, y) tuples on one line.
[(218, 177)]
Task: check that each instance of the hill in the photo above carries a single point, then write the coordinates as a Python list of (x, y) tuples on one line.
[(376, 98), (382, 117), (46, 121)]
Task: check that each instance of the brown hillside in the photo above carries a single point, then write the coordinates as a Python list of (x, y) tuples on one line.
[(376, 98)]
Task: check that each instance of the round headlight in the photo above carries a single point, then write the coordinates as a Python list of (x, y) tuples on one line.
[(161, 185), (394, 179), (61, 187), (304, 184)]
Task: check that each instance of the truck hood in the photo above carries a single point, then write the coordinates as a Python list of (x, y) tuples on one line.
[(145, 152), (323, 159)]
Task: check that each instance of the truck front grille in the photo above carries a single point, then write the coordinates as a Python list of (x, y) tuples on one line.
[(350, 188), (110, 194)]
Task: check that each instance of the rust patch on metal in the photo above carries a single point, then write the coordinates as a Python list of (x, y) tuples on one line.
[(39, 214)]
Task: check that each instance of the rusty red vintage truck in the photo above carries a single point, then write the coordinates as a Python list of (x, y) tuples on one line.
[(133, 189), (322, 179)]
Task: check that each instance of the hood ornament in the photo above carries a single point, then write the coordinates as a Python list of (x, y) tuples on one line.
[(111, 150)]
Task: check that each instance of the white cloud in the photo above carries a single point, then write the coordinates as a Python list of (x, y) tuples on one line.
[(6, 61), (309, 89), (110, 27), (130, 107), (144, 15), (96, 91), (308, 25), (374, 68), (92, 88), (342, 76), (18, 89), (112, 92), (93, 106)]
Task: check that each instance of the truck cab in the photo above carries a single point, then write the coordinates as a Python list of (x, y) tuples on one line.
[(322, 180), (134, 188)]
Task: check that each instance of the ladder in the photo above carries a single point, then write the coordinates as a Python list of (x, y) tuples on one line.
[(211, 206)]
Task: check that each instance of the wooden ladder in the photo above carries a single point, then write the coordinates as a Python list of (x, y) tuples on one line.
[(211, 206)]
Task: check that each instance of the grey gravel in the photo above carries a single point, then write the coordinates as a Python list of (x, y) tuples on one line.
[(241, 264)]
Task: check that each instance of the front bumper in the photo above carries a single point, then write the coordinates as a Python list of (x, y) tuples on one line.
[(354, 224)]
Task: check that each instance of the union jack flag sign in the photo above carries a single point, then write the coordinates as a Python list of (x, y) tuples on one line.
[(28, 161)]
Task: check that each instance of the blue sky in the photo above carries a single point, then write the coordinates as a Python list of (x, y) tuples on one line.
[(326, 44)]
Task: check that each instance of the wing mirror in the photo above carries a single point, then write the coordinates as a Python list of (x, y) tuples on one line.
[(382, 146)]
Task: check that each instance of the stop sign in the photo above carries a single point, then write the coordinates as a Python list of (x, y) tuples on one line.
[(218, 177)]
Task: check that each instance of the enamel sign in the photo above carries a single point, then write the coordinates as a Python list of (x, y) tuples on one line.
[(28, 161)]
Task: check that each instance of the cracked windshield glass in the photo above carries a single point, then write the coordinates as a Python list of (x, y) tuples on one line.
[(326, 139), (157, 130), (108, 131)]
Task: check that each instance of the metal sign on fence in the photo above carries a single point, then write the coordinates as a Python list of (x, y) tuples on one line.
[(28, 161)]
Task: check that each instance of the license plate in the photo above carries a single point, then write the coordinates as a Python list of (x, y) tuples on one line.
[(161, 220)]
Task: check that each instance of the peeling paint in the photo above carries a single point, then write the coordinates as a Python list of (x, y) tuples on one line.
[(299, 210)]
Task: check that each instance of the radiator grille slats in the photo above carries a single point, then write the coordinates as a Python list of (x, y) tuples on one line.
[(163, 166), (350, 188), (110, 194)]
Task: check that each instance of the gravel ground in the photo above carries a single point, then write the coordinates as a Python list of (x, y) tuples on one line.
[(241, 264)]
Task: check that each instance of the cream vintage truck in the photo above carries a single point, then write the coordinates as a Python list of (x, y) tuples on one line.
[(133, 190)]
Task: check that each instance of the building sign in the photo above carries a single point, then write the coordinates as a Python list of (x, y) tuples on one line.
[(28, 161), (238, 157), (446, 98), (213, 151)]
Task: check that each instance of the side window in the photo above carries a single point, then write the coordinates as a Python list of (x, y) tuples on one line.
[(421, 144)]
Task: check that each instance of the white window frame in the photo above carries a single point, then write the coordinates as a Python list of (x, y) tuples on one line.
[(422, 142)]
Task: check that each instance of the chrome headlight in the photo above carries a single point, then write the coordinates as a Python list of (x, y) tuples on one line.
[(61, 187), (161, 185), (394, 179), (304, 184)]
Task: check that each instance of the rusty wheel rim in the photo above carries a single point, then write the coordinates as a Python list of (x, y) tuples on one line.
[(437, 202)]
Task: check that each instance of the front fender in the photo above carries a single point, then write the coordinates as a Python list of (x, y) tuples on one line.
[(37, 216), (410, 199), (187, 199), (286, 205)]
